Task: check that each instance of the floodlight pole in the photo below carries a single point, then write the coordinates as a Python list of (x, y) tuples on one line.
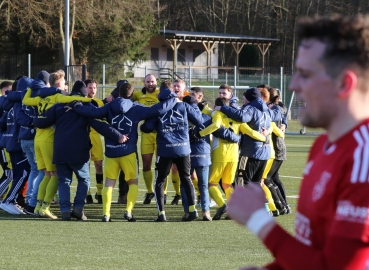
[(66, 38)]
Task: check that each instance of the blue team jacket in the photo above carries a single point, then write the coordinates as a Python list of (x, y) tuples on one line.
[(172, 130), (72, 133), (24, 115), (257, 115), (124, 115)]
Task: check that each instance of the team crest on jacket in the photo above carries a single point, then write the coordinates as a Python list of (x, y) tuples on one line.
[(319, 187)]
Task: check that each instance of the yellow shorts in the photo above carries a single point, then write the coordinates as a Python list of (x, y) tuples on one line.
[(96, 151), (148, 143), (222, 170), (267, 167), (128, 164), (44, 152)]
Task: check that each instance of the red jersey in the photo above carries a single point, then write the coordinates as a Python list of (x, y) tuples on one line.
[(332, 219)]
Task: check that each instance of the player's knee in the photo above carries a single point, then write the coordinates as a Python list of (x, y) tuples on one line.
[(99, 167)]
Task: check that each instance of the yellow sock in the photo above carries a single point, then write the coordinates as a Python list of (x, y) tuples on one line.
[(42, 188), (89, 191), (216, 195), (162, 212), (195, 183), (149, 181), (166, 185), (269, 198), (176, 182), (51, 189), (191, 208), (131, 197), (228, 192), (107, 194), (99, 188)]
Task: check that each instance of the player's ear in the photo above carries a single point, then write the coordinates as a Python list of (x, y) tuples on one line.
[(349, 82)]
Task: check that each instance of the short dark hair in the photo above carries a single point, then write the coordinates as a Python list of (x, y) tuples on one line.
[(221, 101), (5, 84), (197, 89), (226, 87), (346, 39), (126, 90), (87, 81)]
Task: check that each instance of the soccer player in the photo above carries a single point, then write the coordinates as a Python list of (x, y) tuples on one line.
[(148, 96), (198, 93), (224, 155), (124, 115), (276, 203), (97, 154), (174, 147), (44, 139), (201, 160), (258, 116), (332, 228), (71, 150), (179, 87), (226, 91), (21, 167), (4, 86)]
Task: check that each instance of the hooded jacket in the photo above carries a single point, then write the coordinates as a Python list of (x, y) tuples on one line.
[(71, 139), (257, 115), (172, 130), (124, 115), (24, 114), (233, 102)]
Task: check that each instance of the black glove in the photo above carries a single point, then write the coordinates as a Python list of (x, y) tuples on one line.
[(69, 106), (93, 102), (74, 103), (194, 134), (202, 105)]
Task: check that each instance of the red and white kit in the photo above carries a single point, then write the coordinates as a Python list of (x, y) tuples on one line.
[(332, 219)]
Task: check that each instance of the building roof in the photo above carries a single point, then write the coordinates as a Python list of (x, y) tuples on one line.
[(189, 36)]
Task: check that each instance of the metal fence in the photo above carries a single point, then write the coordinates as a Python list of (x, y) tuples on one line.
[(209, 78)]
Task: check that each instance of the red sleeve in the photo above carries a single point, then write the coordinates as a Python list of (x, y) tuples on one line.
[(339, 252), (273, 266)]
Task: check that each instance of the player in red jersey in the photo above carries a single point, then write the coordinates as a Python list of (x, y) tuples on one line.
[(332, 218)]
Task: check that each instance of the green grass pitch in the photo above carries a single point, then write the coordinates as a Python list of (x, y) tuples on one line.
[(34, 243)]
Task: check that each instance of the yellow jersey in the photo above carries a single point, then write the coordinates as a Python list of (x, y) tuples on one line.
[(147, 99), (223, 150)]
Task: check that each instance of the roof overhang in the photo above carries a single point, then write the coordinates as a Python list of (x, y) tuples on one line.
[(187, 36)]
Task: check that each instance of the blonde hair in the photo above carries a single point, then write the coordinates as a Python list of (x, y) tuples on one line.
[(56, 77)]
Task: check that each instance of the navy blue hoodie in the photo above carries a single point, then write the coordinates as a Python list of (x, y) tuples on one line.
[(24, 114), (71, 140), (124, 115), (172, 130)]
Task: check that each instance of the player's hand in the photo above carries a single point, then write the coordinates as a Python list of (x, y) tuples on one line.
[(217, 108), (283, 128), (194, 134), (65, 93), (265, 131), (245, 201), (123, 139), (201, 105), (109, 98)]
